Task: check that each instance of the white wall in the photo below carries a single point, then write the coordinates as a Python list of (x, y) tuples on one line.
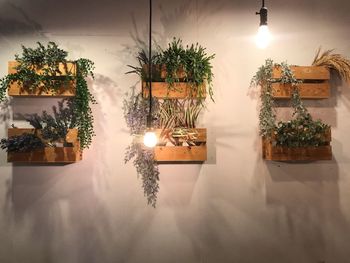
[(235, 207)]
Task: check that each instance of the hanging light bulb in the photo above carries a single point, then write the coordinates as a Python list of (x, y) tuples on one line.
[(263, 37), (150, 139)]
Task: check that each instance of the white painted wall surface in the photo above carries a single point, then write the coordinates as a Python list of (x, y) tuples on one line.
[(235, 207)]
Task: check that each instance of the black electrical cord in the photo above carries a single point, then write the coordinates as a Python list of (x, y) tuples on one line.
[(149, 119)]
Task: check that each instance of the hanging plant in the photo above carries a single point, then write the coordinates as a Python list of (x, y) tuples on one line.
[(135, 113), (176, 63), (302, 131), (52, 64)]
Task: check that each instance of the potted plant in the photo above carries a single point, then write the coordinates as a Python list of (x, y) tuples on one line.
[(181, 78), (301, 139), (45, 71)]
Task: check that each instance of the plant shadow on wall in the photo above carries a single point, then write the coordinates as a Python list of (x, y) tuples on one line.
[(15, 22), (61, 203), (307, 192), (184, 77)]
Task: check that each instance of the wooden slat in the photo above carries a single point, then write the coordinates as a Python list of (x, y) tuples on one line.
[(179, 90), (201, 137), (160, 71), (181, 153), (69, 90), (17, 90), (279, 153), (69, 67), (306, 90), (49, 155), (305, 72)]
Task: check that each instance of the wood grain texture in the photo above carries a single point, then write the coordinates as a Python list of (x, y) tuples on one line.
[(271, 152), (305, 72), (67, 90), (47, 155), (180, 153), (179, 90), (306, 90), (315, 86)]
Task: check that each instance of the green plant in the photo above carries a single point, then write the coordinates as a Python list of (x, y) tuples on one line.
[(54, 127), (192, 62), (135, 113), (48, 60), (22, 143), (299, 132)]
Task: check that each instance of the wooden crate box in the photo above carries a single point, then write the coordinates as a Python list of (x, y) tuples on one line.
[(315, 83), (271, 152), (47, 155), (68, 90), (172, 154)]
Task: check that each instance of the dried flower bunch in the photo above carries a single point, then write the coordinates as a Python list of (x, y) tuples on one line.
[(336, 62)]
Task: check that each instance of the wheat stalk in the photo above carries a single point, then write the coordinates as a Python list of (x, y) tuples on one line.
[(333, 61)]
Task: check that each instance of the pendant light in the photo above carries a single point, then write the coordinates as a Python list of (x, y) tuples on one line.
[(263, 36), (150, 138)]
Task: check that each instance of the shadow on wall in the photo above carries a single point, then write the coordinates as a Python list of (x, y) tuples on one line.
[(18, 24), (60, 205)]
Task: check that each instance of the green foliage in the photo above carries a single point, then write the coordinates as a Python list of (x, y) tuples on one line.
[(22, 143), (54, 128), (47, 60), (267, 115), (302, 130), (80, 104), (191, 61), (179, 113), (135, 113)]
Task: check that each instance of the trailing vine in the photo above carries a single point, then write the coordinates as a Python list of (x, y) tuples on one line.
[(49, 60), (190, 64), (299, 132), (135, 113)]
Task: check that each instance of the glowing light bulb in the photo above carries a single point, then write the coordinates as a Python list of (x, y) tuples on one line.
[(263, 38), (150, 139)]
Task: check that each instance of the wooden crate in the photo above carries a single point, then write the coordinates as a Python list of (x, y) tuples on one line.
[(159, 71), (183, 153), (47, 155), (281, 153), (68, 90), (180, 90), (315, 83)]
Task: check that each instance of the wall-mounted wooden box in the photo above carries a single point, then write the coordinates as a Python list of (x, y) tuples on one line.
[(271, 152), (47, 155), (175, 154), (179, 90), (67, 90), (315, 83)]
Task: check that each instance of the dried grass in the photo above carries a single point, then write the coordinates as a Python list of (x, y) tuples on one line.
[(333, 61)]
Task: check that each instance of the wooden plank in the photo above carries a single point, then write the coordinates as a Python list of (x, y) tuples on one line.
[(201, 137), (69, 67), (48, 155), (17, 90), (67, 90), (179, 90), (281, 153), (306, 90), (180, 153), (305, 72), (161, 72)]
